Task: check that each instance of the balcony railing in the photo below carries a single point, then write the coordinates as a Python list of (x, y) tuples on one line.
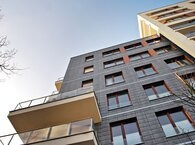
[(53, 97), (50, 133), (190, 34), (183, 25)]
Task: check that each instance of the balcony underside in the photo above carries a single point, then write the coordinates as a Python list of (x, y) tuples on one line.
[(81, 139), (55, 113)]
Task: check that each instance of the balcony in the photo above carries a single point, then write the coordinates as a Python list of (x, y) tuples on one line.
[(77, 133), (56, 109), (58, 83)]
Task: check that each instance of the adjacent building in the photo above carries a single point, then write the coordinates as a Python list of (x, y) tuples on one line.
[(121, 95), (176, 22)]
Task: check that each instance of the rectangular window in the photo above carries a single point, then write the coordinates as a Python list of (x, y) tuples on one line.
[(153, 41), (139, 56), (114, 78), (126, 132), (88, 69), (114, 62), (133, 46), (111, 52), (156, 90), (89, 58), (87, 83), (177, 62), (163, 49), (118, 99), (189, 80), (175, 121), (145, 70)]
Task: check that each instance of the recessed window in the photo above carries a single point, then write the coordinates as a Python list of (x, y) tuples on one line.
[(175, 121), (118, 99), (114, 62), (163, 49), (88, 69), (125, 132), (139, 56), (114, 78), (89, 58), (87, 83), (189, 79), (111, 52), (153, 41), (145, 70), (156, 90), (133, 46), (177, 62)]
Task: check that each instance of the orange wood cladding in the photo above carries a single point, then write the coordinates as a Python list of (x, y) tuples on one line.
[(122, 49), (126, 59), (144, 43), (152, 52)]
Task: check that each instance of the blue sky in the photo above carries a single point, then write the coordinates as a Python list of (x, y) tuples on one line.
[(47, 33)]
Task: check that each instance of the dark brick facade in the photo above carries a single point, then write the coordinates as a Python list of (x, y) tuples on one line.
[(141, 108)]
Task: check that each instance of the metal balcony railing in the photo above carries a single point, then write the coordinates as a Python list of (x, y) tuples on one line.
[(190, 34), (53, 97), (50, 133), (183, 25)]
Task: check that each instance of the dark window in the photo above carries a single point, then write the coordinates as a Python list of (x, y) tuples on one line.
[(145, 70), (156, 90), (153, 41), (114, 62), (175, 121), (189, 80), (177, 62), (163, 50), (118, 99), (139, 56), (87, 83), (126, 132), (89, 58), (114, 78), (111, 52), (88, 69), (133, 46)]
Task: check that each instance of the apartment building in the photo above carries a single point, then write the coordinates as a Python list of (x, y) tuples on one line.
[(121, 95), (176, 22), (125, 94)]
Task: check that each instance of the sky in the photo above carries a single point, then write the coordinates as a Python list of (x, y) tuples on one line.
[(47, 33)]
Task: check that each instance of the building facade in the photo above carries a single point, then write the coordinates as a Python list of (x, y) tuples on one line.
[(126, 94), (119, 95), (176, 22)]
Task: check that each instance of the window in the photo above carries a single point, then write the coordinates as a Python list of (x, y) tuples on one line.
[(125, 132), (113, 63), (177, 62), (189, 79), (87, 83), (153, 41), (139, 56), (118, 99), (88, 69), (156, 90), (133, 46), (163, 50), (175, 121), (89, 58), (111, 52), (114, 78), (145, 70)]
